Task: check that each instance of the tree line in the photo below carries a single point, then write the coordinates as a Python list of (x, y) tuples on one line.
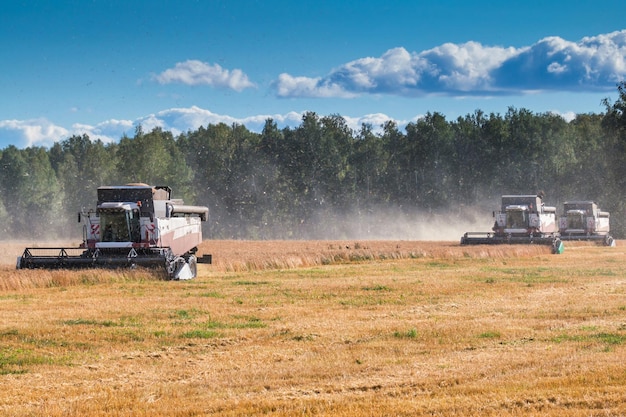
[(309, 181)]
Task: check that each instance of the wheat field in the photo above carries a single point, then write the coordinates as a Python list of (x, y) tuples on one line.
[(341, 328)]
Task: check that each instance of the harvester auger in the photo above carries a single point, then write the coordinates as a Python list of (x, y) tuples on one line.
[(583, 220), (133, 225), (522, 219)]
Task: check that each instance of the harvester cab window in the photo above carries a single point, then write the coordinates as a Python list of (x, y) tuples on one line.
[(516, 219), (120, 225), (115, 227), (575, 220)]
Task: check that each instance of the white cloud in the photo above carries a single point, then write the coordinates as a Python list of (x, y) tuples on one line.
[(41, 132), (194, 72), (568, 116), (465, 67), (108, 131), (182, 120), (591, 64), (375, 120), (33, 132), (288, 86), (557, 68)]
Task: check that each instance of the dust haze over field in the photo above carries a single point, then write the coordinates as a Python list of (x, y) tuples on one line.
[(387, 223), (394, 224)]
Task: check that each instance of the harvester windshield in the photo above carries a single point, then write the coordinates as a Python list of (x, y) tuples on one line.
[(516, 218), (119, 225), (575, 219)]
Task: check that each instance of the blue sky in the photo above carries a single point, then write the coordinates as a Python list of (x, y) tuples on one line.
[(104, 67)]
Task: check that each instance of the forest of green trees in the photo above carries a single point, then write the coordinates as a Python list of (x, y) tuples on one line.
[(311, 181)]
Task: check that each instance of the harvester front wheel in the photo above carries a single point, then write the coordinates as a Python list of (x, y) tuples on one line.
[(193, 265), (609, 241), (183, 268)]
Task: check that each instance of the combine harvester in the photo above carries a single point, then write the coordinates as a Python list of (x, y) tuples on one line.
[(523, 219), (133, 225), (583, 220)]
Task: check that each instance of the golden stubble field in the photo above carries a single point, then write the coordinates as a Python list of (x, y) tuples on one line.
[(351, 328)]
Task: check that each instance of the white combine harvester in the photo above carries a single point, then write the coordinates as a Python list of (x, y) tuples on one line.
[(132, 225), (583, 220), (522, 219)]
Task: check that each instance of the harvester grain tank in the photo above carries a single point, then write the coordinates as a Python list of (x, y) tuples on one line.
[(583, 220), (132, 225), (522, 219)]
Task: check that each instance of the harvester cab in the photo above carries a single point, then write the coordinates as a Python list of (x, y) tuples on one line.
[(120, 222), (583, 220), (132, 225), (521, 219), (525, 216)]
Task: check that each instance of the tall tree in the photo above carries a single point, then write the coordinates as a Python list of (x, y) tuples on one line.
[(13, 173), (397, 183), (471, 151), (81, 166), (33, 193), (155, 159), (431, 151), (614, 125)]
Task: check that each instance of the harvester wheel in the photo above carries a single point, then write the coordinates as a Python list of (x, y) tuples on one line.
[(609, 241), (193, 265), (183, 268), (179, 263)]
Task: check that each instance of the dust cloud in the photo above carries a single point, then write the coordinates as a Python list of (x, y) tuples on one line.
[(382, 223), (393, 224), (375, 224)]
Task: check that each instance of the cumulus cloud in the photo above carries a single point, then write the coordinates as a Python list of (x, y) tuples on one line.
[(182, 120), (472, 69), (108, 131), (288, 86), (568, 116), (33, 132), (194, 72), (41, 132), (375, 121)]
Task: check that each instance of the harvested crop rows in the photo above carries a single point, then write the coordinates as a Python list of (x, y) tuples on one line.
[(346, 328)]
